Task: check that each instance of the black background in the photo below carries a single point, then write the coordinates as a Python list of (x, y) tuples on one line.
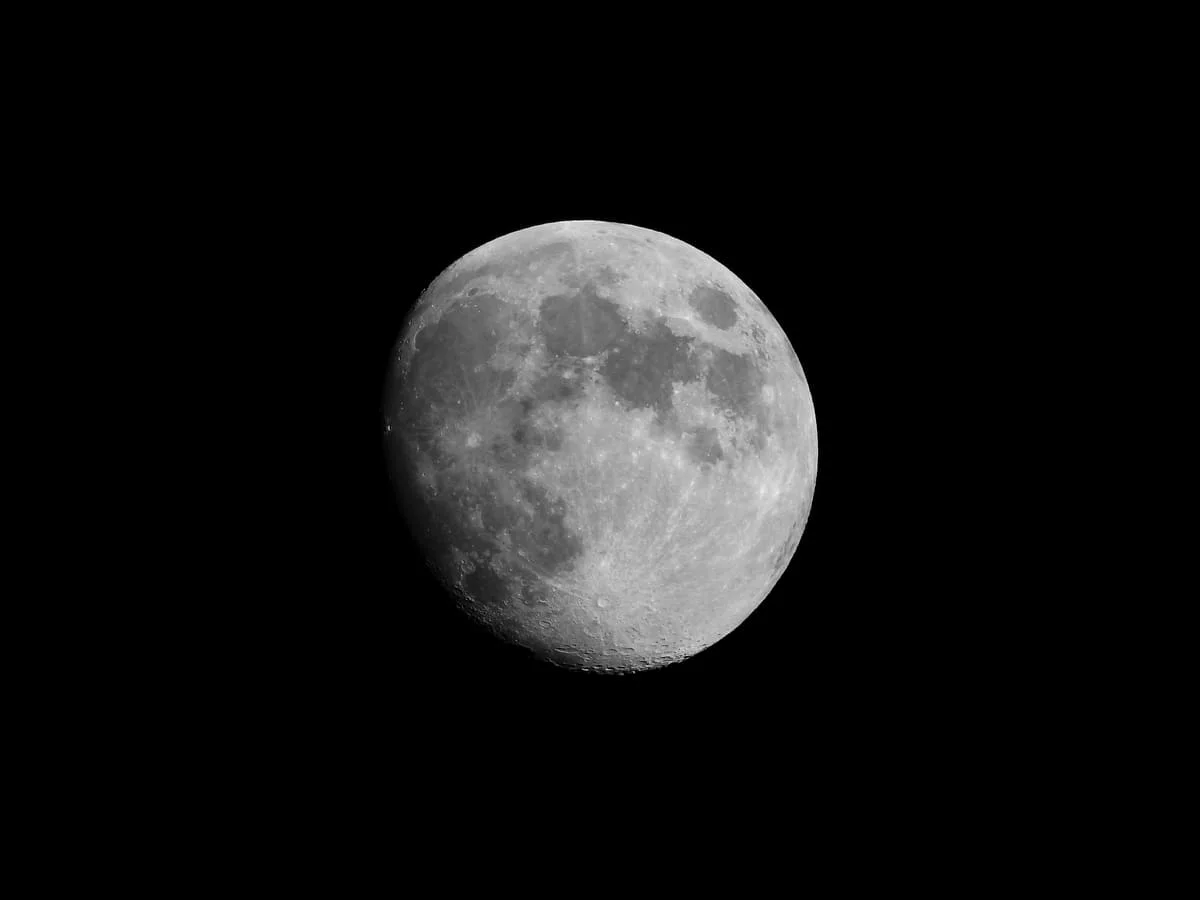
[(873, 214), (861, 248), (855, 626)]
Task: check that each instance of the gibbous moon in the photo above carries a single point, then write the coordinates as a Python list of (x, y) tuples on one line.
[(603, 442)]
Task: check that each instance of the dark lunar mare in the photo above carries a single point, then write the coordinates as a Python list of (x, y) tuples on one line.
[(735, 381), (641, 368), (704, 446), (736, 384), (563, 382), (713, 306), (478, 493), (474, 495), (450, 366), (580, 324)]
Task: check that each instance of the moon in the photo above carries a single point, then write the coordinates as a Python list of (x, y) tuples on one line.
[(602, 441)]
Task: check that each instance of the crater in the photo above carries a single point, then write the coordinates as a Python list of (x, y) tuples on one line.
[(509, 264), (714, 306), (787, 549), (532, 594)]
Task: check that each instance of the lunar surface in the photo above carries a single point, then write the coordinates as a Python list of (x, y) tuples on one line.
[(603, 443)]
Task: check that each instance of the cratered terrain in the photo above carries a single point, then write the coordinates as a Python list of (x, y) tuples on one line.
[(603, 443)]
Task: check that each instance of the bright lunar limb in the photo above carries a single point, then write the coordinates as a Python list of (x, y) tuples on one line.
[(603, 443)]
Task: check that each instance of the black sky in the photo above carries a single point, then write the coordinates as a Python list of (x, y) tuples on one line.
[(853, 252)]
